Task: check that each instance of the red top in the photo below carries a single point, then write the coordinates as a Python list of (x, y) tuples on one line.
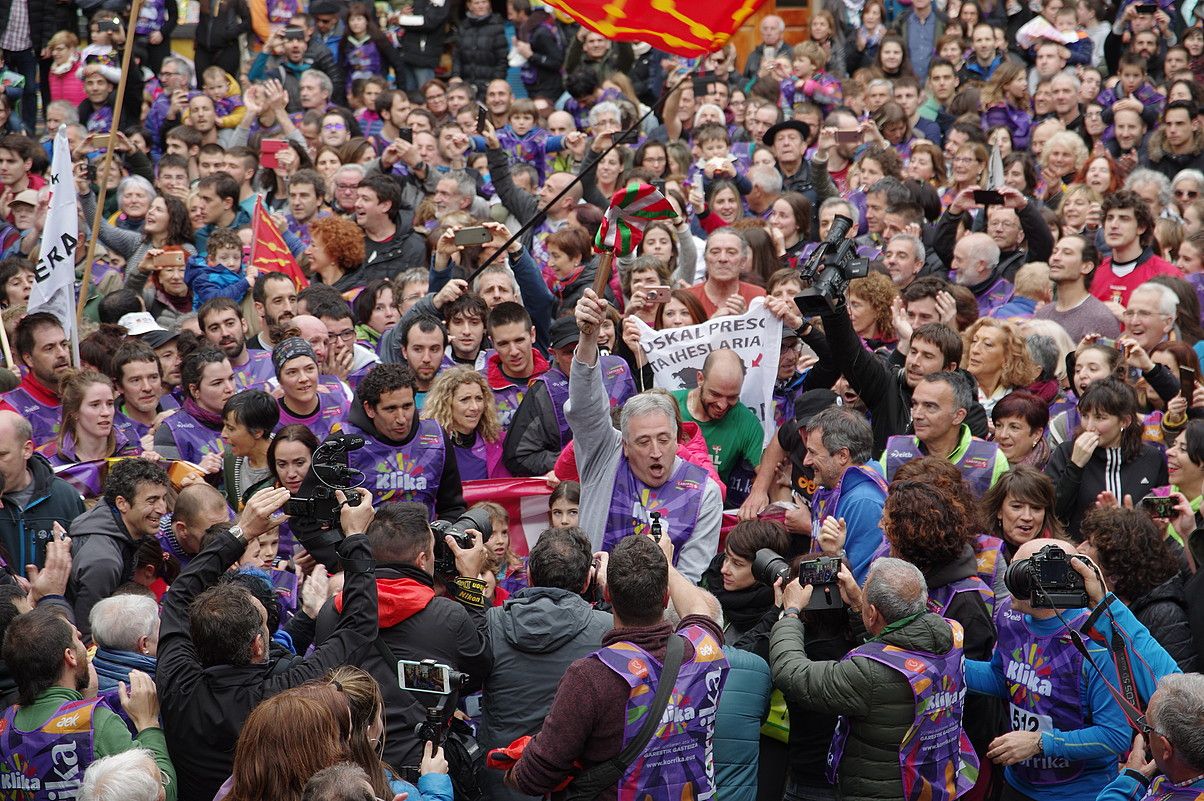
[(747, 291), (1107, 286)]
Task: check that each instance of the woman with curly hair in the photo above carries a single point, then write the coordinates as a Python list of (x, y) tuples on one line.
[(996, 355), (1143, 570), (461, 402), (1020, 507), (1007, 102), (336, 253), (1061, 159), (870, 300), (1102, 173)]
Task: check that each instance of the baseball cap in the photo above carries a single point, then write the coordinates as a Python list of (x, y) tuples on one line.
[(159, 337), (29, 196), (563, 332), (138, 323)]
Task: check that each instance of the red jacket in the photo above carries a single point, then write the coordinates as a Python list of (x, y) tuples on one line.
[(1106, 286)]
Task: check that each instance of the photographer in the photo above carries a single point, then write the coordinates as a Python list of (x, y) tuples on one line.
[(870, 687), (1171, 737), (214, 642), (1067, 728), (416, 623)]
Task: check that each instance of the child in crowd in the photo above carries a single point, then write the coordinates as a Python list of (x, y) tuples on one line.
[(1133, 85), (64, 77), (105, 32), (364, 92), (223, 89), (524, 140), (365, 50), (714, 159), (508, 566), (221, 273), (809, 81), (563, 504)]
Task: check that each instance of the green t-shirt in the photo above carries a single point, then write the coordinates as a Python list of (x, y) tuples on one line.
[(737, 435)]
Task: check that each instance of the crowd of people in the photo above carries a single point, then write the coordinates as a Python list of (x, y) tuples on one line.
[(956, 556)]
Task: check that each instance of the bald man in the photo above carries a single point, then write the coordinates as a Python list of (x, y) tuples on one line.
[(1067, 731), (34, 498), (732, 432), (198, 507)]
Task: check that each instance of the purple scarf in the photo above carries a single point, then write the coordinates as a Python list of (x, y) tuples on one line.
[(201, 414)]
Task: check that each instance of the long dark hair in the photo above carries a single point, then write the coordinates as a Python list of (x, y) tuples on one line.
[(1115, 397), (374, 33), (290, 433), (179, 225)]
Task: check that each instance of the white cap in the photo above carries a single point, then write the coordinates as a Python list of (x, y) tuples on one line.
[(139, 323)]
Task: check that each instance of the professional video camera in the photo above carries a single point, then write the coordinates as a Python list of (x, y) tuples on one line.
[(445, 560), (829, 269), (1047, 580), (314, 511)]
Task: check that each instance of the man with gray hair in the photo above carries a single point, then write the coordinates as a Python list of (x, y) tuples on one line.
[(131, 775), (176, 77), (1174, 738), (847, 507), (633, 481), (904, 258), (975, 265), (1150, 316), (1154, 188), (766, 188), (888, 691), (125, 629), (761, 58), (454, 191), (723, 293)]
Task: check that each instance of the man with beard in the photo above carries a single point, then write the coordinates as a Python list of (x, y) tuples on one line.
[(422, 344), (404, 458), (223, 325), (42, 347), (106, 538), (54, 732), (275, 297)]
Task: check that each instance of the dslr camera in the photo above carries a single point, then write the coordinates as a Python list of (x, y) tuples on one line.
[(314, 510), (829, 269), (445, 560), (1047, 580)]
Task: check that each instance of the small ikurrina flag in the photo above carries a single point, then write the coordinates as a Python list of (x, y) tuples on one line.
[(632, 208)]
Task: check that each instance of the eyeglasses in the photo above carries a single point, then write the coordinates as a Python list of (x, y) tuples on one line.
[(342, 336), (434, 96), (347, 187), (1143, 314)]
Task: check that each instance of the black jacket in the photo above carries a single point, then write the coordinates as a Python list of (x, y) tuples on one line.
[(422, 45), (25, 532), (439, 629), (387, 259), (1077, 487), (221, 27), (1163, 610), (46, 18), (522, 204), (543, 78), (1038, 240), (748, 614), (533, 442), (481, 51), (102, 559), (881, 387), (203, 708)]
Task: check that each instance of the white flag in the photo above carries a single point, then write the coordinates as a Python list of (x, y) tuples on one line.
[(54, 290)]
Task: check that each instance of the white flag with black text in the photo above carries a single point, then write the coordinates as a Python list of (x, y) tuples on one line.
[(54, 289)]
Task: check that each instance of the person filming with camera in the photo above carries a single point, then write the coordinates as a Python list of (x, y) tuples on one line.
[(1067, 726)]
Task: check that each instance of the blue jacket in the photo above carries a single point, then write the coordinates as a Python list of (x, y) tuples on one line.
[(113, 667), (860, 505), (742, 709), (1127, 787), (208, 282), (431, 787)]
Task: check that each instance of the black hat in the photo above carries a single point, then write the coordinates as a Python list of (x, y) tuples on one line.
[(789, 125), (563, 332), (159, 338), (324, 7), (289, 349), (811, 403)]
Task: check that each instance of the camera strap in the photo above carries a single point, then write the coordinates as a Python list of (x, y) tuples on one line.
[(1126, 697), (587, 786)]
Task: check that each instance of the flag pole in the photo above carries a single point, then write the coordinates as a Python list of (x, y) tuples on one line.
[(102, 189), (617, 140), (8, 353)]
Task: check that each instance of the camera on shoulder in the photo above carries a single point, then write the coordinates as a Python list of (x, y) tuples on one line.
[(445, 559)]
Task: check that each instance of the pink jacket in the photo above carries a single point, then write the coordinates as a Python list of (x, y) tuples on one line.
[(67, 86)]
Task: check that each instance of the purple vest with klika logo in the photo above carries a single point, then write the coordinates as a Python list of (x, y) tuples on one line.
[(1163, 789), (330, 414), (1043, 674), (678, 761), (42, 418), (939, 598), (616, 378), (47, 763), (936, 758), (825, 501), (677, 501), (257, 372), (151, 17), (977, 463), (194, 440), (407, 473)]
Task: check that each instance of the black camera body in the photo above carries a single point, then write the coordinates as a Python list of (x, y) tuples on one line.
[(314, 511), (445, 560), (829, 269), (1047, 580)]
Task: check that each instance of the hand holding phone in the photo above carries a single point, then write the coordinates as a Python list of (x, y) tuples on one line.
[(656, 295), (988, 197)]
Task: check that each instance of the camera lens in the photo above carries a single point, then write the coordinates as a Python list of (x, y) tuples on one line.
[(1019, 579), (768, 566)]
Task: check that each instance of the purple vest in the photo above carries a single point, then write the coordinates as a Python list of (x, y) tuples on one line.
[(408, 473), (151, 17), (101, 120), (193, 439), (676, 501), (87, 477), (678, 762), (825, 501), (999, 294), (1163, 789), (507, 400), (49, 762), (1043, 674), (363, 60), (481, 461), (977, 463), (42, 418), (936, 758), (280, 11), (616, 378), (330, 414), (939, 598), (992, 561), (256, 372), (131, 428)]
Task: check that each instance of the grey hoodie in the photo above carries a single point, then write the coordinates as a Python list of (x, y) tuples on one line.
[(102, 558), (530, 641)]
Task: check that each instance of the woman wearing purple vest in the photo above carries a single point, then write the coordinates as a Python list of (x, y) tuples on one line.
[(193, 432), (461, 403), (248, 419), (303, 402), (1020, 507)]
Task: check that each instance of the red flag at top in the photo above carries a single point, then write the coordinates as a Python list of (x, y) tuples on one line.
[(268, 251), (676, 26)]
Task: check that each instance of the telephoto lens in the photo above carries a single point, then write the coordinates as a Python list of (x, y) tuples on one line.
[(768, 566)]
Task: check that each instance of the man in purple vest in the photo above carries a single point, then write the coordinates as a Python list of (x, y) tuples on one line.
[(1175, 718), (905, 686), (851, 491), (403, 458), (514, 360), (42, 347), (974, 265), (603, 699), (633, 481), (51, 736), (222, 322), (540, 430)]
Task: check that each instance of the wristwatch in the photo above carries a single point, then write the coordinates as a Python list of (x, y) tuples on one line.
[(237, 532), (790, 611)]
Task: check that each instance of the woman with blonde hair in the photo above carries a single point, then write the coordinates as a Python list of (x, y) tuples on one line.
[(1075, 210), (461, 402), (996, 355), (1006, 101), (1061, 159), (870, 300)]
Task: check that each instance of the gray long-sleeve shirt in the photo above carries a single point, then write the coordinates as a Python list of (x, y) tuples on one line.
[(598, 447)]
